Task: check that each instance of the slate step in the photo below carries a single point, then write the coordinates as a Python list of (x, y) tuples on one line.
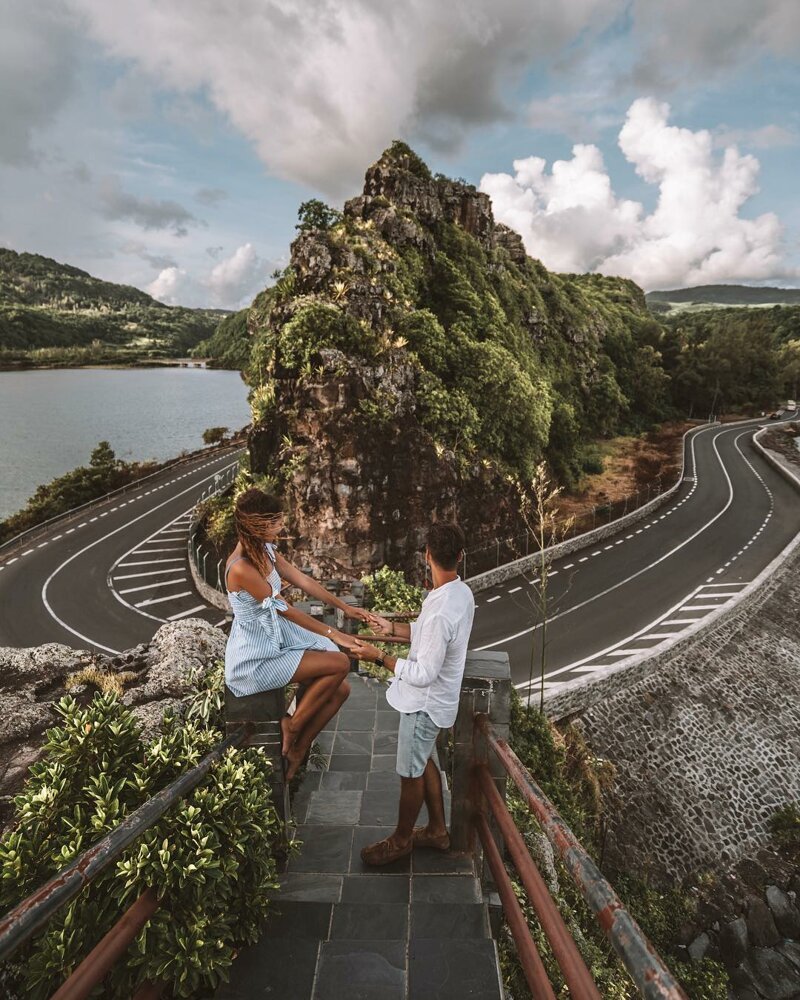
[(384, 921), (422, 969)]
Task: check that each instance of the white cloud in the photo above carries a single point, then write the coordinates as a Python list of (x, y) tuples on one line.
[(321, 90), (572, 220), (231, 284)]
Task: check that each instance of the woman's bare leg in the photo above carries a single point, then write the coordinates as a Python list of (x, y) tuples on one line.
[(322, 672), (314, 727)]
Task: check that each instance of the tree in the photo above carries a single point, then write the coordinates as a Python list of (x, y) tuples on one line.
[(214, 435), (315, 214), (539, 511), (103, 456)]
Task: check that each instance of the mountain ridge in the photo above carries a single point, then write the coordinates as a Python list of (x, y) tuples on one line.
[(65, 314)]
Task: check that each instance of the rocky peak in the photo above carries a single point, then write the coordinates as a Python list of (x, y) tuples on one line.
[(400, 180)]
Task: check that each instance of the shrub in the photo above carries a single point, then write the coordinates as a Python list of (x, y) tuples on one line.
[(319, 325), (388, 591), (315, 214), (214, 435), (210, 856)]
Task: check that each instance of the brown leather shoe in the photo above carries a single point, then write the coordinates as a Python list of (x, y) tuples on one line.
[(421, 838), (384, 852)]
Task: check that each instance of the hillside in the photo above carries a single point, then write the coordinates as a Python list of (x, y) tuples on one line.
[(61, 311), (412, 361), (715, 296)]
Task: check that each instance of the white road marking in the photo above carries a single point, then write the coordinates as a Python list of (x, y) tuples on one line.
[(638, 573), (160, 600), (150, 562), (147, 552), (97, 541), (191, 611), (568, 566), (152, 572), (514, 590), (583, 559), (495, 598), (154, 586), (682, 621), (553, 572)]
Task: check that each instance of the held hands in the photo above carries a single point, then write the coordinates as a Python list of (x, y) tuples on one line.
[(381, 626), (359, 614), (365, 651)]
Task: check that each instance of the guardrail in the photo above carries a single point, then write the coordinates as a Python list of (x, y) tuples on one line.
[(482, 763), (500, 551), (646, 968), (21, 923), (30, 534)]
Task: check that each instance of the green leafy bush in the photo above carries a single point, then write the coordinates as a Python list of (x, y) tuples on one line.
[(321, 325), (388, 591), (210, 857)]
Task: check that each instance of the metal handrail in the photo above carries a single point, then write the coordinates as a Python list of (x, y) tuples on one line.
[(65, 515), (645, 967), (19, 924), (576, 975)]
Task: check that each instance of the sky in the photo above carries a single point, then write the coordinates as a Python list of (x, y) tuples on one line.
[(169, 145)]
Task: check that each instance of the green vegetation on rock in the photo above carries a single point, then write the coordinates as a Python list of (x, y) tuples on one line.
[(52, 313), (229, 345)]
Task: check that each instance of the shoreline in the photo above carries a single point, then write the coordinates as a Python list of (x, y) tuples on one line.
[(199, 363)]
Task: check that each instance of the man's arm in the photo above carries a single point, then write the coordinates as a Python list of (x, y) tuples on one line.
[(424, 668)]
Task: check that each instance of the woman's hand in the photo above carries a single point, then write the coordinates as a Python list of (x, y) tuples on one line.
[(358, 614), (343, 639), (382, 626), (365, 651)]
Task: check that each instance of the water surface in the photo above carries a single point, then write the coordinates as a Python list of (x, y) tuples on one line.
[(50, 420)]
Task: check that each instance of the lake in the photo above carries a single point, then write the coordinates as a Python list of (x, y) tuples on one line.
[(50, 420)]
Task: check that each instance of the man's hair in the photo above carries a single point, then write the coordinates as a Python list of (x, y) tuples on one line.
[(446, 543)]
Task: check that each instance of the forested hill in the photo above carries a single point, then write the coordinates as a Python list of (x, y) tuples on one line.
[(705, 296), (48, 305)]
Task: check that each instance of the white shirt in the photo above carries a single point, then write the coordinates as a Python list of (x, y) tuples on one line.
[(429, 679)]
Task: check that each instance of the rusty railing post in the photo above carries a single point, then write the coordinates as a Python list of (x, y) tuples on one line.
[(485, 690)]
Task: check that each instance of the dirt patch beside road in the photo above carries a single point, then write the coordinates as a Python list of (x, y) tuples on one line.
[(630, 464)]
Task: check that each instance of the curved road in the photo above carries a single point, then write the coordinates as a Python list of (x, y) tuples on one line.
[(731, 516), (108, 582)]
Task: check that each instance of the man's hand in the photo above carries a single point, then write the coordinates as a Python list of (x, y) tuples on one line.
[(344, 640), (365, 651), (380, 625)]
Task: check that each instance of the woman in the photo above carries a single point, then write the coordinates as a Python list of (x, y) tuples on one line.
[(272, 644)]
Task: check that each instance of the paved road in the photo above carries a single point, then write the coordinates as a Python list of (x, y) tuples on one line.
[(731, 516), (110, 580)]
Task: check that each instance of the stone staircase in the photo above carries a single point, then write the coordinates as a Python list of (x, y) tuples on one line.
[(415, 930)]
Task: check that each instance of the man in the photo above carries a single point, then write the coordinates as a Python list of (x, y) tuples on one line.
[(425, 690)]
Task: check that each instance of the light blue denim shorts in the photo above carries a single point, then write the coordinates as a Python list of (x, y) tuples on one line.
[(415, 741)]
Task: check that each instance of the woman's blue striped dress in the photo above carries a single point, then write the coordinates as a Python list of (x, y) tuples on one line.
[(264, 648)]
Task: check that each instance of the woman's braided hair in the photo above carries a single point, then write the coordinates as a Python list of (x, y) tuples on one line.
[(254, 513)]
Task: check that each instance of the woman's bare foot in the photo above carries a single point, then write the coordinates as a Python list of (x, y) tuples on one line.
[(288, 735), (294, 760)]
